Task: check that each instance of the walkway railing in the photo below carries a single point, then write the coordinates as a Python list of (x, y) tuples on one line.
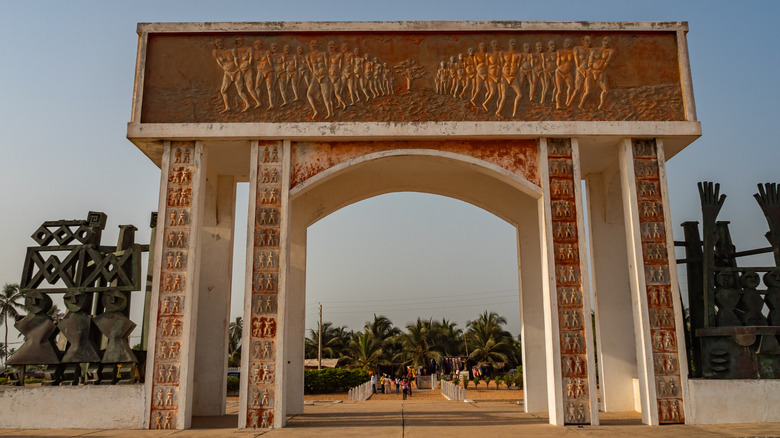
[(361, 392), (452, 391)]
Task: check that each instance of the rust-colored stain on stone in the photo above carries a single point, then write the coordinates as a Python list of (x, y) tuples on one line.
[(519, 157), (411, 77)]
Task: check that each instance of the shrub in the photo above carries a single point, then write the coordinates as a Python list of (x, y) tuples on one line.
[(233, 383), (487, 382), (32, 380), (476, 381), (465, 383), (3, 380), (455, 381), (332, 380), (519, 377)]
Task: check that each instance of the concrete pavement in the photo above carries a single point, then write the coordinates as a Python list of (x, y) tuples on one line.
[(423, 419)]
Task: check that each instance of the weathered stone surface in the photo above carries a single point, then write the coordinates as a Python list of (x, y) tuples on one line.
[(412, 76)]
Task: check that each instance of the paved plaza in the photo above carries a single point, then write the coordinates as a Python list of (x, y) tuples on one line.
[(418, 418)]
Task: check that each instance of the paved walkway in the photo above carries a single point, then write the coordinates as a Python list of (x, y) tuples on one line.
[(426, 419)]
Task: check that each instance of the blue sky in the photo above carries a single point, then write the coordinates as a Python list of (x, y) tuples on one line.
[(65, 96)]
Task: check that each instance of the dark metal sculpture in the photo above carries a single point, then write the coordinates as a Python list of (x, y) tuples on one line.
[(39, 332), (96, 281), (732, 338)]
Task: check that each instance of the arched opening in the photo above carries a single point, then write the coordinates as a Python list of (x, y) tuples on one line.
[(505, 195)]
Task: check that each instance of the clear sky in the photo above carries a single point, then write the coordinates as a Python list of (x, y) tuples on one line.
[(65, 93)]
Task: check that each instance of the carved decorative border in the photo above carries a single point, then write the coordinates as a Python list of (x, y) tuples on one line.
[(263, 325), (173, 273), (666, 364), (572, 315)]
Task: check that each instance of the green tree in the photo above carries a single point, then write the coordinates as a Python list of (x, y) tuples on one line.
[(489, 342), (420, 344), (235, 332), (364, 351), (381, 328), (450, 338), (334, 341), (10, 303)]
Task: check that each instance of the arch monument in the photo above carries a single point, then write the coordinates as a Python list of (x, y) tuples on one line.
[(508, 116)]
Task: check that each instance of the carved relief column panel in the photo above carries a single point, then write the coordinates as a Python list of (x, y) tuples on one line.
[(170, 363), (571, 331), (260, 402), (656, 292)]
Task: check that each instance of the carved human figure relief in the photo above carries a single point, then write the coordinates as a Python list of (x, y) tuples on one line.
[(227, 62)]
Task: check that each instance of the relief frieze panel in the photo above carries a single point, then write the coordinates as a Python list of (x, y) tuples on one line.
[(658, 283), (170, 311), (411, 77), (520, 157), (568, 281), (265, 276)]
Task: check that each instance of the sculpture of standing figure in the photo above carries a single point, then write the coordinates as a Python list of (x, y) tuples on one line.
[(599, 60), (582, 74), (39, 332), (226, 59), (116, 327), (318, 66), (549, 59), (564, 63), (76, 326), (244, 60)]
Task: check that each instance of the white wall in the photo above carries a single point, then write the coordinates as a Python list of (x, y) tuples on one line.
[(733, 401), (72, 407)]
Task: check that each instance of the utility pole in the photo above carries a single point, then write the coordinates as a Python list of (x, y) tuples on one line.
[(319, 342), (467, 352)]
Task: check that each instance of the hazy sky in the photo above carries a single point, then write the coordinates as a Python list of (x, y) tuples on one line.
[(65, 94)]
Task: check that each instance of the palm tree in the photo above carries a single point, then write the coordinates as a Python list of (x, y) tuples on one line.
[(420, 343), (9, 303), (382, 328), (490, 342), (334, 341), (365, 351), (235, 331), (450, 337)]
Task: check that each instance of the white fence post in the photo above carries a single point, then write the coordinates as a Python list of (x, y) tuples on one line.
[(361, 392)]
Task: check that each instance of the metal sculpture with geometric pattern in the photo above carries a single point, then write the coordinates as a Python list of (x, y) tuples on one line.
[(71, 260), (733, 336)]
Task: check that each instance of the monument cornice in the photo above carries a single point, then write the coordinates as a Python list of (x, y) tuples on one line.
[(416, 26)]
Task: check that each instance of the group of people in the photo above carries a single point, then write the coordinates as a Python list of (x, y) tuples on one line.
[(563, 74), (337, 77), (382, 384), (340, 77)]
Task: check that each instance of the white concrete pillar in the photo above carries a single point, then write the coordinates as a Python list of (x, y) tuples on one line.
[(532, 330), (571, 382), (654, 288), (611, 290), (261, 400), (216, 268), (295, 302), (172, 332)]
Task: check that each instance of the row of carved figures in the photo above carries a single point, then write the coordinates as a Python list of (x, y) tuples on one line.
[(337, 77), (576, 388), (40, 331), (561, 75)]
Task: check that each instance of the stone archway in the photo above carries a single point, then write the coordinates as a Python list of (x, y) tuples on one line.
[(430, 171), (313, 156)]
